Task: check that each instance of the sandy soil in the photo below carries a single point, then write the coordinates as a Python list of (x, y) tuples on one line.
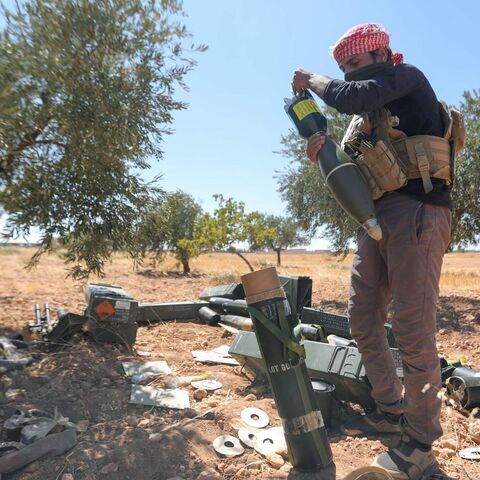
[(85, 381)]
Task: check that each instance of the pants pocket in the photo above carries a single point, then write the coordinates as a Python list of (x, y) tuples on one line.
[(417, 226)]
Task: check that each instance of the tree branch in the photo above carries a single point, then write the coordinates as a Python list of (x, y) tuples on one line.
[(29, 139)]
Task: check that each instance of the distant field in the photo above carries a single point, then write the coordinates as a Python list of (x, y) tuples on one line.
[(460, 273)]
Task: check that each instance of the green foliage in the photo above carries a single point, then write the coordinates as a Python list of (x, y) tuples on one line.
[(274, 233), (168, 225), (466, 193), (227, 226), (90, 95), (223, 228), (307, 197)]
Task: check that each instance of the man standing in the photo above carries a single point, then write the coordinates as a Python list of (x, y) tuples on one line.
[(404, 267)]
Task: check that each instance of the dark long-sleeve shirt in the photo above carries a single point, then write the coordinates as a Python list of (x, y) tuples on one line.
[(406, 92)]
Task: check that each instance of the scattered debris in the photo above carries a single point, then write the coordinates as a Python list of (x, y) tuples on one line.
[(472, 453), (27, 427), (254, 417), (217, 355), (463, 386), (82, 425), (158, 397), (159, 367), (228, 328), (228, 446), (208, 385), (13, 353), (142, 353), (247, 436), (13, 393), (270, 441), (40, 444), (59, 332)]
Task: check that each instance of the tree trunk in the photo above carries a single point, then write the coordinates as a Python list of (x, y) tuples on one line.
[(279, 260), (186, 267), (246, 261)]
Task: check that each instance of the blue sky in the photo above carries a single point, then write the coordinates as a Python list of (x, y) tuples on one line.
[(224, 142)]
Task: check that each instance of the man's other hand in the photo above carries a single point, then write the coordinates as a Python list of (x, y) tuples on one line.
[(314, 145)]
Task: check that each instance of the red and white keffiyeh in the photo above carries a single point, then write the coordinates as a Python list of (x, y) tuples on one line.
[(363, 38)]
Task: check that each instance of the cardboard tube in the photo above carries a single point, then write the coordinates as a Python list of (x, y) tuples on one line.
[(262, 285)]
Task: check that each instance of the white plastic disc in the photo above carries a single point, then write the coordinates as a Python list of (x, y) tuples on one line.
[(247, 436), (472, 453), (270, 441), (228, 446), (254, 417), (208, 385)]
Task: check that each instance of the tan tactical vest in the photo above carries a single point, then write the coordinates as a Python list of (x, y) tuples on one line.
[(395, 158)]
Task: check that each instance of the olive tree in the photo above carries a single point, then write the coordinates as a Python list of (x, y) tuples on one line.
[(274, 232), (168, 225), (90, 87), (466, 194)]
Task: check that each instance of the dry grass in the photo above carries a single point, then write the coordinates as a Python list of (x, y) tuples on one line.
[(460, 273)]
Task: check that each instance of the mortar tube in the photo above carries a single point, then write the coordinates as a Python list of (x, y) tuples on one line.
[(304, 429), (209, 316)]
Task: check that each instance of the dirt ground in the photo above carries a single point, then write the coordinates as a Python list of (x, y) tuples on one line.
[(85, 381)]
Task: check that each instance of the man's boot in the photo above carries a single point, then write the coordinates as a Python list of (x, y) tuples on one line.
[(372, 423), (410, 460)]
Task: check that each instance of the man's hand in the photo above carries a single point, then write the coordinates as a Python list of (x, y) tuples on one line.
[(314, 145), (301, 80)]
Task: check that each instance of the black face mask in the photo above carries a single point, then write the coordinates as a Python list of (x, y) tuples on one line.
[(366, 72)]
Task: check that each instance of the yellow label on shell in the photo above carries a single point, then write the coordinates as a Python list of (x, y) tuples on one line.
[(304, 108)]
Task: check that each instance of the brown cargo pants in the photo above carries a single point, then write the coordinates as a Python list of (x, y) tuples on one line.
[(404, 269)]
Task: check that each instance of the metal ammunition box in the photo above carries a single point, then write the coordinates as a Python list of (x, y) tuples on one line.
[(298, 291), (335, 324), (233, 291), (112, 314), (340, 366)]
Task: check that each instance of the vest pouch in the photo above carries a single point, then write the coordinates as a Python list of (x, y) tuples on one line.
[(380, 169), (459, 133), (375, 190)]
